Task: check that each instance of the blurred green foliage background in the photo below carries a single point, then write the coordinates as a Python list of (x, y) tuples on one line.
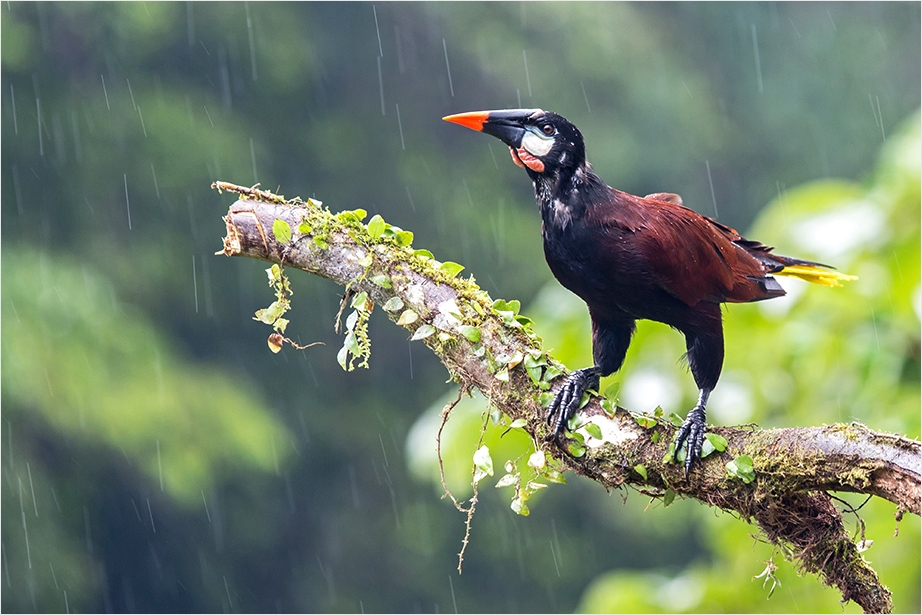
[(157, 457)]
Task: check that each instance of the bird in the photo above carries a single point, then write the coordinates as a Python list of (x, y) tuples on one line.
[(636, 258)]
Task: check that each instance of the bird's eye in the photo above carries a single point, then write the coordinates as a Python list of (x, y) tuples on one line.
[(547, 129)]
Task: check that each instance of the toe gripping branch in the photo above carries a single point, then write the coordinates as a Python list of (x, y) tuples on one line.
[(567, 400), (692, 432)]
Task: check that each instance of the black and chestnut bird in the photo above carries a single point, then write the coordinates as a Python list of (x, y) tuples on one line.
[(633, 258)]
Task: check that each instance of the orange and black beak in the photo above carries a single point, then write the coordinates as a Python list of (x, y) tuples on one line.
[(507, 125)]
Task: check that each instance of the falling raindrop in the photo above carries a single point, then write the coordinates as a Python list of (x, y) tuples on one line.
[(15, 123), (38, 113), (400, 126), (554, 556), (159, 464), (208, 115), (707, 163), (205, 502), (143, 129), (17, 190), (195, 293), (755, 47), (32, 488), (452, 586), (151, 513), (104, 92), (246, 8), (227, 589), (154, 174), (127, 202), (586, 98), (410, 196), (377, 31), (130, 93), (448, 68), (25, 528)]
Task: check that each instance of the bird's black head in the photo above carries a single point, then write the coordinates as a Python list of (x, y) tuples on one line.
[(541, 142)]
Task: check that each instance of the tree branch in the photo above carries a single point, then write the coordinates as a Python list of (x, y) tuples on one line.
[(495, 352)]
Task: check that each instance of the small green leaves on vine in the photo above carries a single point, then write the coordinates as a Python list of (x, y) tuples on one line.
[(376, 226), (470, 332), (356, 344), (408, 317), (354, 215), (713, 442), (281, 230), (641, 470), (483, 464), (272, 315), (422, 332), (451, 269), (741, 468), (393, 304)]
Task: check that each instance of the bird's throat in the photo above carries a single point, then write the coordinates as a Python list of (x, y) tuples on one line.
[(522, 158)]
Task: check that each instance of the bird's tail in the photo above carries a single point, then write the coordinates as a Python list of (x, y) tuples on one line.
[(815, 273)]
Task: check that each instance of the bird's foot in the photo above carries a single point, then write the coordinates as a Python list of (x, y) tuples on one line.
[(567, 400), (692, 435)]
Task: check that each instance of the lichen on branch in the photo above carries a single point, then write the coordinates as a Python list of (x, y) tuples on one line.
[(776, 478)]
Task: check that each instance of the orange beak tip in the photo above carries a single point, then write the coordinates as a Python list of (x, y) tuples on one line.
[(473, 120)]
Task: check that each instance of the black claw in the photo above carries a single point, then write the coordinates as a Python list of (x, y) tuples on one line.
[(566, 402), (691, 434)]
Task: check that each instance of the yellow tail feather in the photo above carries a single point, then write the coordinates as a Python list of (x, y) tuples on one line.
[(817, 275)]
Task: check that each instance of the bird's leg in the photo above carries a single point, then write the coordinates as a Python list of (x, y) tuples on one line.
[(567, 400), (692, 431)]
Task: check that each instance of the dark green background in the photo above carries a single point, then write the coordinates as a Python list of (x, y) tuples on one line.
[(157, 457)]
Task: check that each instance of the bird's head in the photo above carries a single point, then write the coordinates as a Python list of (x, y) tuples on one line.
[(541, 142)]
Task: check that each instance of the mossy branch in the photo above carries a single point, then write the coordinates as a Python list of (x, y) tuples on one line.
[(494, 351)]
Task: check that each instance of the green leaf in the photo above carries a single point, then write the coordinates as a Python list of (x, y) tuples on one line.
[(642, 470), (518, 424), (507, 481), (483, 463), (360, 300), (451, 269), (304, 228), (320, 242), (422, 332), (281, 230), (393, 304), (611, 391), (407, 318), (502, 375), (594, 430), (355, 215), (668, 498), (423, 254), (471, 333), (341, 356), (717, 440), (376, 226), (553, 476), (381, 280), (645, 421), (576, 449), (741, 468), (520, 507), (706, 449), (405, 238)]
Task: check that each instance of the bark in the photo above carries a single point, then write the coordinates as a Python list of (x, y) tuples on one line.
[(794, 469)]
